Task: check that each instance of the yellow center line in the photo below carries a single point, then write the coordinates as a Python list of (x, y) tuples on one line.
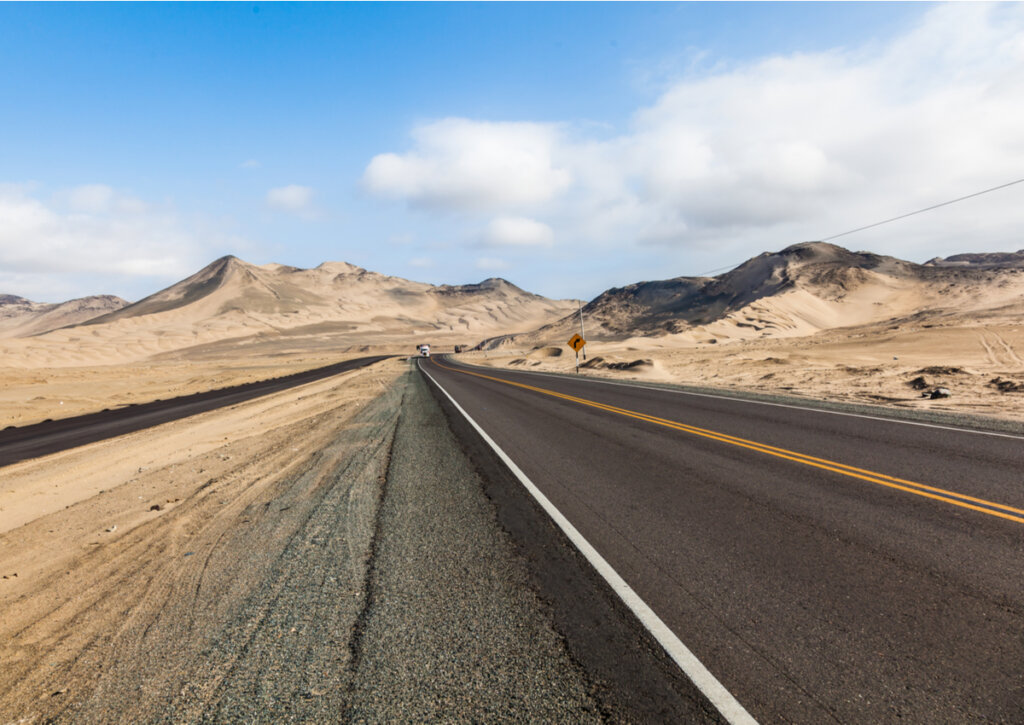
[(939, 494)]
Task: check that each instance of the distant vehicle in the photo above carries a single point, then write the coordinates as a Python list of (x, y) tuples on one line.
[(460, 348), (424, 350)]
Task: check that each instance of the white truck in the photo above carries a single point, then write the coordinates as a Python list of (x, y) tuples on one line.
[(424, 350)]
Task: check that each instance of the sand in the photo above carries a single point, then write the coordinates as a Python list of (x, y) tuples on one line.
[(125, 515), (42, 486), (31, 395), (813, 320), (92, 533), (230, 308), (886, 364), (234, 322)]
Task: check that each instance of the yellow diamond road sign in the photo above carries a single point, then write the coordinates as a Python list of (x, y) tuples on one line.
[(577, 343)]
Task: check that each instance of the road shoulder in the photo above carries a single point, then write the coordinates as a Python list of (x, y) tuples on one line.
[(453, 630), (631, 676)]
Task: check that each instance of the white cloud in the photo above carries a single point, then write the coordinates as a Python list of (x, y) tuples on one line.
[(744, 157), (421, 262), (250, 164), (517, 232), (71, 242), (94, 198), (491, 264), (293, 199), (458, 164)]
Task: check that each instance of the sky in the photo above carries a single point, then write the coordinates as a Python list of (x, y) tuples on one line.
[(567, 147)]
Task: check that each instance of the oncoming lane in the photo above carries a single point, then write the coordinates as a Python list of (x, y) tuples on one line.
[(809, 592), (52, 436)]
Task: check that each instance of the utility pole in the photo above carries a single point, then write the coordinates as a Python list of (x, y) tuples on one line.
[(580, 304)]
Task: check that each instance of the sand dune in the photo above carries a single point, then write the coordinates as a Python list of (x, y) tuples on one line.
[(815, 320), (231, 303), (233, 322), (20, 317), (800, 291)]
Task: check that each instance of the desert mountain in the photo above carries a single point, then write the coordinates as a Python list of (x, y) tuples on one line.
[(990, 259), (20, 317), (231, 304), (285, 297), (801, 290)]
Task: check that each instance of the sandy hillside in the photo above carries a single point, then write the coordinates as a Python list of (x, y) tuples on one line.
[(802, 290), (231, 300), (20, 317), (234, 322), (814, 320)]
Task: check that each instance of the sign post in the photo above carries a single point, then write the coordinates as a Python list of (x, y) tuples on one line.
[(582, 333), (576, 343)]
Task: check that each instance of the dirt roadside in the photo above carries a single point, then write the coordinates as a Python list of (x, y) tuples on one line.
[(892, 367), (129, 562), (285, 559)]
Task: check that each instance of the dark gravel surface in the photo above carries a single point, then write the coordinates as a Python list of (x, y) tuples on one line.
[(454, 631)]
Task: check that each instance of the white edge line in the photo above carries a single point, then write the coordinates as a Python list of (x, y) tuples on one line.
[(753, 402), (710, 687)]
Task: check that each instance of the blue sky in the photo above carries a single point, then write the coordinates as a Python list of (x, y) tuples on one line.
[(567, 147)]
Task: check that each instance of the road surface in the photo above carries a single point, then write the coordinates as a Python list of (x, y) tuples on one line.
[(32, 441), (823, 567)]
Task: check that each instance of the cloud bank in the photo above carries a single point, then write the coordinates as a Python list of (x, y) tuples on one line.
[(49, 243), (478, 165), (757, 155)]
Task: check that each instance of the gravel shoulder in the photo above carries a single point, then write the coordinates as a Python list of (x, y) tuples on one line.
[(454, 630)]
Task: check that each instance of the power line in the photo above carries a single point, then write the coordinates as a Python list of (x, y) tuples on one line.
[(886, 221), (720, 269), (921, 211)]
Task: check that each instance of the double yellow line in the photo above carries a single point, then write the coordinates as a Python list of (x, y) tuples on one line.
[(919, 489)]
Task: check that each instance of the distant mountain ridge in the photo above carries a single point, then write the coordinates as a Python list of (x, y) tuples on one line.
[(701, 300), (797, 291), (20, 317), (231, 304), (800, 290), (987, 259), (335, 290)]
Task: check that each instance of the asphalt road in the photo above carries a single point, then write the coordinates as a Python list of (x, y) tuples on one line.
[(823, 567), (52, 436)]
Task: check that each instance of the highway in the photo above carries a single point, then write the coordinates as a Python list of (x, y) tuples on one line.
[(52, 436), (823, 567)]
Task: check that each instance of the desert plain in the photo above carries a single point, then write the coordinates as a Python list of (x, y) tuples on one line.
[(886, 365), (814, 321), (115, 553)]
